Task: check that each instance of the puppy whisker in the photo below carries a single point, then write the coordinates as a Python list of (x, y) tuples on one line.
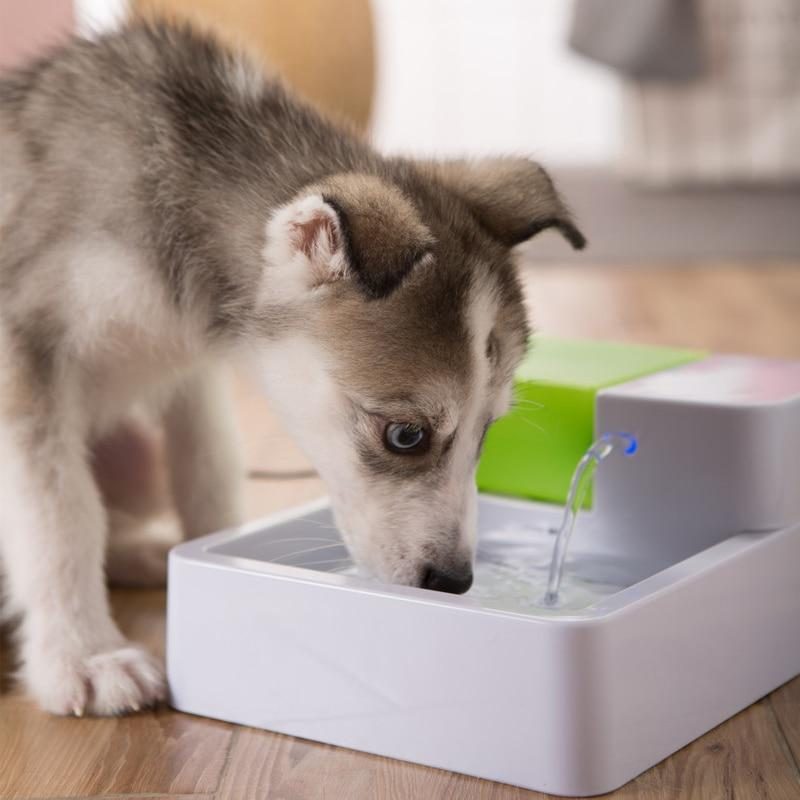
[(535, 426), (529, 404)]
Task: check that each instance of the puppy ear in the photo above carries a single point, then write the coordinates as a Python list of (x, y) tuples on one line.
[(384, 236), (304, 248), (512, 198), (351, 227)]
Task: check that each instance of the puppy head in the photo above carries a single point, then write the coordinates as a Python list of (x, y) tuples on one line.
[(406, 327)]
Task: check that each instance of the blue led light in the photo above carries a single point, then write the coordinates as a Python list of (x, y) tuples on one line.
[(631, 444)]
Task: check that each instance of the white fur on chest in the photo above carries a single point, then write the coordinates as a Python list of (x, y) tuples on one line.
[(129, 340)]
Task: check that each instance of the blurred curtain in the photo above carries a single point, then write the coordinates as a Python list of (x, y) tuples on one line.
[(733, 117), (323, 48), (644, 39), (737, 123)]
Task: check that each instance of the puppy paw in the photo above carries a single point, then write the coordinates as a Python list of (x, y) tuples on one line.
[(107, 683), (124, 680)]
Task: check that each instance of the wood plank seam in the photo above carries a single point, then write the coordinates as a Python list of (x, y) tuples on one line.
[(226, 763)]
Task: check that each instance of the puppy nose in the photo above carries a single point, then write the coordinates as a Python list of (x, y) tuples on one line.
[(453, 582)]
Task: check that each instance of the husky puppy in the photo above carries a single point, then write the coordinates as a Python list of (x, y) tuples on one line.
[(166, 207)]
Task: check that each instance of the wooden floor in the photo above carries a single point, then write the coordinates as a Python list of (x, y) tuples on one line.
[(166, 754)]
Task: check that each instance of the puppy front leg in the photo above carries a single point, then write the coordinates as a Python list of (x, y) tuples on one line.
[(204, 456), (52, 537)]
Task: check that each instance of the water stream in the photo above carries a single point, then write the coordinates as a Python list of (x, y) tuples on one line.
[(581, 481)]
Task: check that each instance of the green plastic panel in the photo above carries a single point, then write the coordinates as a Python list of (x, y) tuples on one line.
[(533, 451)]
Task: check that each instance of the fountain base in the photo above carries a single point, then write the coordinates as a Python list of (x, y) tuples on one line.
[(639, 659)]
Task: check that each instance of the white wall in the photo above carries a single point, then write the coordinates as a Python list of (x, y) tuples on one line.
[(476, 76), (97, 16)]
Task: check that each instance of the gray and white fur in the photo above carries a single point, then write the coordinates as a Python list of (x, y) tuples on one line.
[(166, 207)]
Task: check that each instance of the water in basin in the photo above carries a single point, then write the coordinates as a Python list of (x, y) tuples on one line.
[(512, 566)]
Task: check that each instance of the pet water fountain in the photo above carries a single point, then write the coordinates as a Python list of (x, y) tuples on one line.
[(679, 604)]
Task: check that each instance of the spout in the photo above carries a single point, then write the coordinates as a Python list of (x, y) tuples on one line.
[(579, 485)]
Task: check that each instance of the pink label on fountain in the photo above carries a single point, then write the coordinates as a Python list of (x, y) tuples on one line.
[(727, 380)]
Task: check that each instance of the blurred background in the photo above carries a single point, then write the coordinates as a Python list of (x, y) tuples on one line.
[(673, 125)]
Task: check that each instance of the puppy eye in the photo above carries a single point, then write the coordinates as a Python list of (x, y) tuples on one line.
[(405, 438)]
